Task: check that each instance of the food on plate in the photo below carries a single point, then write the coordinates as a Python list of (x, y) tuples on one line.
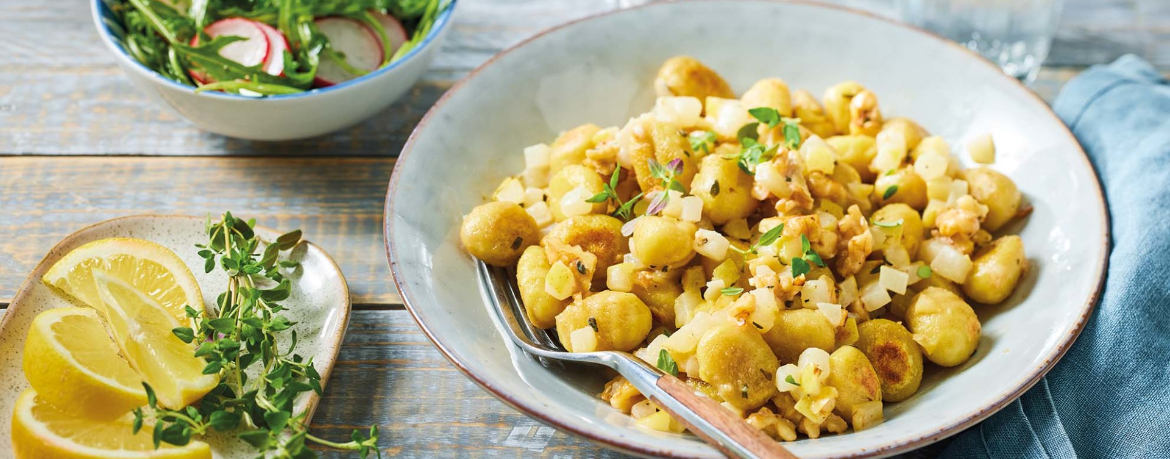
[(799, 261), (143, 370), (271, 47)]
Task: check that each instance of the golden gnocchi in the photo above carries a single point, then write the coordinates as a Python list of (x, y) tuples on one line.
[(800, 261)]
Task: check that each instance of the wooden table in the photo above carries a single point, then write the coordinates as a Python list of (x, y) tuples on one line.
[(81, 145)]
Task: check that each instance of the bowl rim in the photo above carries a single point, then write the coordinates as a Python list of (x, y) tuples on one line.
[(627, 446), (98, 6)]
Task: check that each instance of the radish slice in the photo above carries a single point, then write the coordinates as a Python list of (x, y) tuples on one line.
[(353, 40), (251, 51), (394, 31), (277, 45)]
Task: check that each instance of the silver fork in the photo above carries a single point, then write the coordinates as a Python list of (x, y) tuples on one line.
[(702, 415)]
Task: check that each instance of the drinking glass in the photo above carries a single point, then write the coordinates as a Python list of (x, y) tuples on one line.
[(1015, 34)]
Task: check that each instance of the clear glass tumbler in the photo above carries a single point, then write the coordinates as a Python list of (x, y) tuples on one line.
[(1015, 34)]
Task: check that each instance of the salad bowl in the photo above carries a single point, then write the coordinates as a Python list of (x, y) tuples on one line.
[(279, 117), (601, 69)]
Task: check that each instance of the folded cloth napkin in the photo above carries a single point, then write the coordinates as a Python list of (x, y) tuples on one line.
[(1109, 396)]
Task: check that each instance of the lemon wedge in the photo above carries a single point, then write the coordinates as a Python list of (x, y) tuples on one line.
[(39, 431), (73, 364), (142, 329), (147, 266)]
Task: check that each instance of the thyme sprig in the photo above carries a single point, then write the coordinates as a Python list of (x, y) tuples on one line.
[(244, 332), (668, 176), (609, 193)]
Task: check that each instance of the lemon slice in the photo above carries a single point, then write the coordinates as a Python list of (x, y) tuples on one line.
[(147, 266), (73, 364), (142, 329), (41, 431)]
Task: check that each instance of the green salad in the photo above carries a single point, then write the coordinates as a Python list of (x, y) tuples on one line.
[(268, 47)]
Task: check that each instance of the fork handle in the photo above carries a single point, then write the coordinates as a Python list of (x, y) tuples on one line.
[(717, 425)]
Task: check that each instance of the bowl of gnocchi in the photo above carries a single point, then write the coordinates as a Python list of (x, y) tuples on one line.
[(860, 243)]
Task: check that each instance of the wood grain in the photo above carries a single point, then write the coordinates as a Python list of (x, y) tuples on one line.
[(61, 93), (730, 424), (337, 202)]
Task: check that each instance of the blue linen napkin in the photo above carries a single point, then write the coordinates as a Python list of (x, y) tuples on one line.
[(1109, 396)]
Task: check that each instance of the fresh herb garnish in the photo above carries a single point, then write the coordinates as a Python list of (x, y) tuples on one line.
[(702, 141), (925, 272), (668, 176), (772, 118), (890, 191), (752, 154), (893, 224), (609, 193), (768, 238), (732, 291), (666, 363), (245, 330), (800, 267), (593, 324), (788, 379)]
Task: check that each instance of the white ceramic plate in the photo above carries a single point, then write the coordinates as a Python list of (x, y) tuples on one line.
[(319, 304), (600, 70)]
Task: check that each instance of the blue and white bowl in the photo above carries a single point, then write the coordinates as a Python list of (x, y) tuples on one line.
[(283, 117)]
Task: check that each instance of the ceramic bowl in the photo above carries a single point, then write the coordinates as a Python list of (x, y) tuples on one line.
[(283, 117), (601, 69)]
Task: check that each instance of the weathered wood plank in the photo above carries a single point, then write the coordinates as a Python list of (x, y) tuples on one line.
[(337, 202), (60, 93)]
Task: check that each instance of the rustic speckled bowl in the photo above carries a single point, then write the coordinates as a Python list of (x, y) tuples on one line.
[(319, 304), (600, 70)]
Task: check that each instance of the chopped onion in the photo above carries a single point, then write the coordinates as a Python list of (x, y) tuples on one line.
[(893, 280), (692, 209), (939, 188), (714, 289), (683, 341), (536, 156), (897, 255), (981, 149), (510, 190), (951, 264), (583, 339), (574, 202), (711, 244), (783, 374), (874, 296), (818, 155), (891, 151), (620, 277), (681, 111), (559, 282), (541, 213), (536, 177), (642, 409), (772, 180), (833, 312), (848, 289), (813, 292), (727, 116), (764, 315), (685, 306), (930, 166), (533, 196), (933, 144), (958, 190), (818, 358), (933, 208), (866, 415)]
